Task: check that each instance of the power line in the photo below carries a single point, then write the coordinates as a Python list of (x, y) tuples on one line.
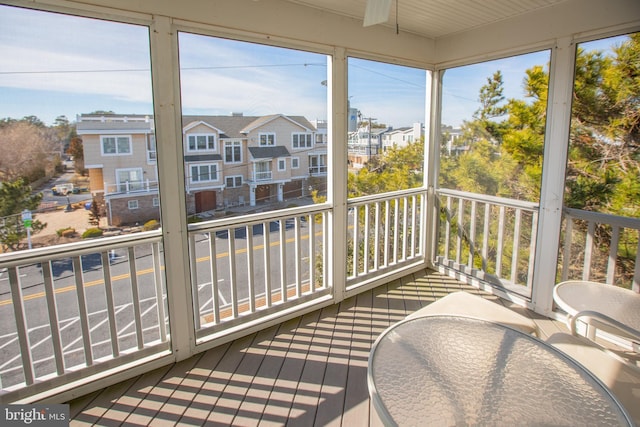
[(135, 70)]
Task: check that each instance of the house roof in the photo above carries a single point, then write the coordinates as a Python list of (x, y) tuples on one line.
[(269, 152), (114, 123), (237, 126)]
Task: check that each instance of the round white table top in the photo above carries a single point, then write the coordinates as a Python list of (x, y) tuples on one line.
[(448, 370)]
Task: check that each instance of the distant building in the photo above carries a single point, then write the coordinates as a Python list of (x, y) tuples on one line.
[(229, 161)]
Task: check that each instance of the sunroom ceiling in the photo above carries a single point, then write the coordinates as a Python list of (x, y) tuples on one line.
[(437, 18)]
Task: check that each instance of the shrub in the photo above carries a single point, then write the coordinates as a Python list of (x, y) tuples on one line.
[(66, 232), (151, 225), (92, 232)]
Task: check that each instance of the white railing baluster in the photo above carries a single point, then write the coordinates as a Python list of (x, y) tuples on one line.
[(283, 261), (82, 308), (111, 308), (49, 291), (21, 325), (266, 241), (396, 221), (532, 248), (311, 226), (472, 233), (231, 232), (485, 235), (405, 227), (613, 254), (588, 251), (250, 268), (387, 225), (376, 238), (500, 241), (516, 246), (213, 268), (414, 214), (135, 291), (157, 279), (566, 253), (193, 260), (460, 233), (356, 241), (636, 275), (447, 231), (297, 245), (366, 239)]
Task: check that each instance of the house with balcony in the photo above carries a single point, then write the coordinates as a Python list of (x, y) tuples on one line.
[(120, 155), (400, 137), (220, 330)]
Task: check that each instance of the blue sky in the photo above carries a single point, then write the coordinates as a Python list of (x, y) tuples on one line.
[(52, 65)]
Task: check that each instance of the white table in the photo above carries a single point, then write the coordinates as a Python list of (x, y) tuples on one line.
[(450, 370), (607, 307)]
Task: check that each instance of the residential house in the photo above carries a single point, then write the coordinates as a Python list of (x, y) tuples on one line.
[(401, 137), (120, 155), (230, 161)]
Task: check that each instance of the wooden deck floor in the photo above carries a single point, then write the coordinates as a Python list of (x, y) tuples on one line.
[(307, 371)]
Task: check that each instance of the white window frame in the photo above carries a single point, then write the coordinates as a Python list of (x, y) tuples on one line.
[(282, 165), (116, 139), (234, 180), (156, 202), (267, 139), (295, 162), (208, 142), (232, 145), (301, 140), (195, 178), (133, 185), (151, 149), (133, 205)]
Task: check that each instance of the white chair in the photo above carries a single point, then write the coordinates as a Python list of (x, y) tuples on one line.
[(465, 304)]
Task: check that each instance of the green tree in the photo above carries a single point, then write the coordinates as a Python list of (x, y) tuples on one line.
[(16, 196)]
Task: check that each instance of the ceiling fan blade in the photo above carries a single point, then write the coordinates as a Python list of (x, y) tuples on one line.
[(377, 12)]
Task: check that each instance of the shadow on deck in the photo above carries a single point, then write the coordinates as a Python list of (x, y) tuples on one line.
[(311, 370)]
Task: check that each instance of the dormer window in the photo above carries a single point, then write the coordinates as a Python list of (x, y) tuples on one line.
[(267, 139), (201, 142)]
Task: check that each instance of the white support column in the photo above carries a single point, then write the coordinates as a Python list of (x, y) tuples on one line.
[(553, 174), (431, 160), (337, 179), (168, 123), (281, 192)]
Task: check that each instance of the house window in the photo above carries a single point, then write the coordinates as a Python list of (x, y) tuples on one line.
[(132, 204), (201, 142), (115, 145), (151, 148), (233, 152), (262, 171), (295, 163), (318, 164), (128, 180), (204, 173), (282, 165), (234, 181), (302, 140), (156, 202), (267, 139)]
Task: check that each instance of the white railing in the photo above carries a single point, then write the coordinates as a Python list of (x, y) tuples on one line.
[(601, 248), (385, 234), (131, 187), (489, 238), (249, 268), (74, 310), (262, 176)]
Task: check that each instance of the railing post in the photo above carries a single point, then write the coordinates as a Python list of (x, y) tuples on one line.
[(554, 166)]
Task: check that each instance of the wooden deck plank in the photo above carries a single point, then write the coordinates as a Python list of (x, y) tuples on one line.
[(311, 370)]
